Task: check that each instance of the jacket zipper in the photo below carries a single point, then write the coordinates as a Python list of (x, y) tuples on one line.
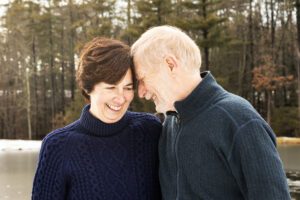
[(176, 155)]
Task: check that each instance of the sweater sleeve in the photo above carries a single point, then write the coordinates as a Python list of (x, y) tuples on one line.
[(147, 129), (50, 178), (257, 164)]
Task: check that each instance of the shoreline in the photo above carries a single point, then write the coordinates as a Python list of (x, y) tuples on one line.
[(288, 140), (19, 145)]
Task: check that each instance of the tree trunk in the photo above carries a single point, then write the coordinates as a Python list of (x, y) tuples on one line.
[(267, 15), (35, 86), (62, 75), (45, 104), (36, 96), (13, 119), (71, 50), (251, 47), (272, 29), (249, 59), (129, 37), (159, 14), (269, 105), (6, 112), (206, 58), (128, 13), (298, 61), (28, 104), (205, 37), (52, 75)]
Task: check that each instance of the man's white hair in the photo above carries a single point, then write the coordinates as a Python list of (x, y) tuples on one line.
[(157, 42)]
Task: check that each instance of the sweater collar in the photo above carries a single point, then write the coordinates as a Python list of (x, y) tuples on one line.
[(200, 97), (99, 128)]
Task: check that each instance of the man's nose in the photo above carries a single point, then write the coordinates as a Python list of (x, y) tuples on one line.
[(141, 90)]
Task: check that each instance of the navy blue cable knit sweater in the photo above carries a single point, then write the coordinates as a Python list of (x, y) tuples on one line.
[(89, 159)]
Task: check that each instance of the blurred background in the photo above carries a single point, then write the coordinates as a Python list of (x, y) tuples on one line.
[(250, 46)]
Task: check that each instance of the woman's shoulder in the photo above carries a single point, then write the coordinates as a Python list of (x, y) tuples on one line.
[(143, 117), (145, 123), (60, 135)]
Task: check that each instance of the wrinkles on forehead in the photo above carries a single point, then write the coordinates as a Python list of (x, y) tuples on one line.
[(138, 67), (145, 65), (138, 71)]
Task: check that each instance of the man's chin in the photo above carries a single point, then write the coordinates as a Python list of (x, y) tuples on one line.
[(159, 109), (162, 109)]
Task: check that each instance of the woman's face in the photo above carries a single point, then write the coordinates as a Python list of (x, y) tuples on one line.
[(110, 102)]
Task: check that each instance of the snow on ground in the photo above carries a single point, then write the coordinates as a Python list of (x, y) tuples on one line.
[(19, 145), (294, 183)]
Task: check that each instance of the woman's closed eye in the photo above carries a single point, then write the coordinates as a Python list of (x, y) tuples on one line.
[(110, 87), (128, 88)]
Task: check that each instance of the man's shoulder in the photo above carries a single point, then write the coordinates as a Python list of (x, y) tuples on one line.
[(236, 108), (230, 100)]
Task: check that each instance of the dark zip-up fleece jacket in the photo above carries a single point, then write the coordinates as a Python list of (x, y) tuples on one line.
[(218, 147)]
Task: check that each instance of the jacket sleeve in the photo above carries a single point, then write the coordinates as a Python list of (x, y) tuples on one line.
[(257, 165), (50, 179)]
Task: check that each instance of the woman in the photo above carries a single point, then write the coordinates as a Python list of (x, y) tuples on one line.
[(108, 153)]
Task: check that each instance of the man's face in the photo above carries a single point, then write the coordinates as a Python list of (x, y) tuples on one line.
[(154, 84)]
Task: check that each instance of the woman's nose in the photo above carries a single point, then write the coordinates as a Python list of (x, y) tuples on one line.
[(120, 98)]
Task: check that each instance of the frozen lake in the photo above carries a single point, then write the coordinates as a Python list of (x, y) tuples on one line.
[(16, 174), (290, 155)]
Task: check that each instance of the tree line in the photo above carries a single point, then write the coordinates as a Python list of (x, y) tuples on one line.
[(251, 47)]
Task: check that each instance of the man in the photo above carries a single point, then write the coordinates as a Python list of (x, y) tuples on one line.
[(214, 144)]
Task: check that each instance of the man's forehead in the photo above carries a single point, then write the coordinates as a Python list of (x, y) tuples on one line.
[(140, 70)]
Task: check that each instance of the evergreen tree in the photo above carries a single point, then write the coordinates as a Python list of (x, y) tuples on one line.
[(201, 19)]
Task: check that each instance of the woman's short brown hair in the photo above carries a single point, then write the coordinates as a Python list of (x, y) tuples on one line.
[(103, 60)]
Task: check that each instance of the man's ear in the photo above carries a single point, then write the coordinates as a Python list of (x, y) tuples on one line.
[(171, 62)]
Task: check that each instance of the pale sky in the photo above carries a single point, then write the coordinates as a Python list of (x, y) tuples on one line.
[(2, 9)]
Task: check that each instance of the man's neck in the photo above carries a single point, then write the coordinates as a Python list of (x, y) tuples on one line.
[(189, 83)]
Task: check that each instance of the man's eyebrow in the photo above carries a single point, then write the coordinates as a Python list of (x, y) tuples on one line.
[(129, 84)]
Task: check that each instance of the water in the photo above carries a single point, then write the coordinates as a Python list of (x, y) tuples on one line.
[(294, 183), (17, 169), (290, 156)]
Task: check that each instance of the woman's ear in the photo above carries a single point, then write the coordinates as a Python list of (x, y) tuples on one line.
[(85, 91), (85, 94)]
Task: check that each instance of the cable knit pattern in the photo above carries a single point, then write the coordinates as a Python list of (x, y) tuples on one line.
[(89, 160)]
